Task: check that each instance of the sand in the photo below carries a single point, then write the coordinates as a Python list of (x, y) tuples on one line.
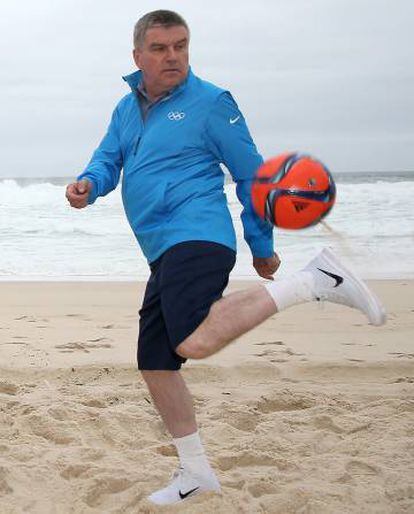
[(313, 412)]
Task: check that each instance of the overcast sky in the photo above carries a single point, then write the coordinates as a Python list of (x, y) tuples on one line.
[(330, 77)]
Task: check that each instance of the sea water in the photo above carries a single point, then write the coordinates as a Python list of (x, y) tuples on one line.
[(43, 238)]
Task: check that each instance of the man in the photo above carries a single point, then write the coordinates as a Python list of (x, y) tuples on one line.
[(170, 135)]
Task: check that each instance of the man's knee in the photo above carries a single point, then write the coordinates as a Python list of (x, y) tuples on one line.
[(192, 348), (148, 375), (153, 374), (156, 376)]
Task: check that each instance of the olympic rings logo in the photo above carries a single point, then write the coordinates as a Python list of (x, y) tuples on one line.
[(176, 116)]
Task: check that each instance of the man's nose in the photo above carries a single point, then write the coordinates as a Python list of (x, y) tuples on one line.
[(171, 53)]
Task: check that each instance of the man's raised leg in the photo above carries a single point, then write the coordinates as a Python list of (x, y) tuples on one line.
[(229, 318), (324, 278)]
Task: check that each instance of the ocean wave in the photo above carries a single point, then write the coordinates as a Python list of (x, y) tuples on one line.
[(41, 235)]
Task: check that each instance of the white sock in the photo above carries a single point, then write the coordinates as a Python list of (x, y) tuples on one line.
[(295, 289), (191, 453)]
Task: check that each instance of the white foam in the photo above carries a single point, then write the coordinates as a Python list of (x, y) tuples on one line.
[(372, 225)]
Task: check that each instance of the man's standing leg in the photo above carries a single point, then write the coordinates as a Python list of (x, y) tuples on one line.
[(183, 285), (173, 401), (175, 405)]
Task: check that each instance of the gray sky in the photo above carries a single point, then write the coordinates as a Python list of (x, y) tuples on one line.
[(330, 77)]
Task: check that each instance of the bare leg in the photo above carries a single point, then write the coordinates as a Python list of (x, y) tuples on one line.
[(325, 278), (228, 319), (173, 401)]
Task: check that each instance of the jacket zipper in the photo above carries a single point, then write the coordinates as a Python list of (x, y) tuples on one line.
[(136, 145)]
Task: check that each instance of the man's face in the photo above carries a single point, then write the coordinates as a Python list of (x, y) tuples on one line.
[(163, 58)]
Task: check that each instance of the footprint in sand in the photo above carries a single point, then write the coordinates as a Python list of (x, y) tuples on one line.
[(360, 468), (93, 454), (37, 357), (51, 430), (273, 352), (401, 380), (254, 458), (266, 353), (400, 355), (19, 343), (236, 483), (291, 352), (5, 488), (9, 388), (260, 488), (287, 351), (283, 402), (244, 421), (75, 471), (242, 418), (99, 404), (113, 326), (327, 423), (166, 450), (82, 347), (30, 319), (244, 459), (278, 343), (105, 486)]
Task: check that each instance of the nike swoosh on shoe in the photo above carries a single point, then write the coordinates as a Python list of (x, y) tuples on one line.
[(338, 279), (184, 495), (375, 310)]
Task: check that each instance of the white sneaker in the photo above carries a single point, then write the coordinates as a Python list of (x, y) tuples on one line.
[(185, 485), (333, 282)]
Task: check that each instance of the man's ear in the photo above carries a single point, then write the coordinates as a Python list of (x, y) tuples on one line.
[(136, 57)]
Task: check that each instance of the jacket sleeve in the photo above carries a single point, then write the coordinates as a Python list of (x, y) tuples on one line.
[(229, 139), (104, 169)]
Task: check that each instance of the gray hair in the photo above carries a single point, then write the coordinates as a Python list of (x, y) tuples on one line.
[(161, 18)]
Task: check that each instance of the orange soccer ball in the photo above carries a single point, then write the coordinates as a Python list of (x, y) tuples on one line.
[(293, 191)]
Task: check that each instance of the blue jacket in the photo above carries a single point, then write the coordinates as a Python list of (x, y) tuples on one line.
[(172, 183)]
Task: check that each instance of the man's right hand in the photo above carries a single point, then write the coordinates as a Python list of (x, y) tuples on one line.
[(77, 193)]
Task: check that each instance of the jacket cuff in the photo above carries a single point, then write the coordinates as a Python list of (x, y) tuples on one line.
[(261, 246), (93, 193)]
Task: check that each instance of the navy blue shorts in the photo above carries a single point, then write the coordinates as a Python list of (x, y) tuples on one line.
[(184, 283)]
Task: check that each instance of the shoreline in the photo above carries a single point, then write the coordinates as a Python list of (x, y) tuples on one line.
[(45, 323), (143, 279)]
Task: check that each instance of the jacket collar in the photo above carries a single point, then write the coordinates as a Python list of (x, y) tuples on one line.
[(134, 80)]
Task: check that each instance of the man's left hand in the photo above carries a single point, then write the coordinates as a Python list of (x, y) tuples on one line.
[(266, 267)]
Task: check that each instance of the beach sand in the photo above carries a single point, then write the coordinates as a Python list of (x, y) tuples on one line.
[(313, 412)]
